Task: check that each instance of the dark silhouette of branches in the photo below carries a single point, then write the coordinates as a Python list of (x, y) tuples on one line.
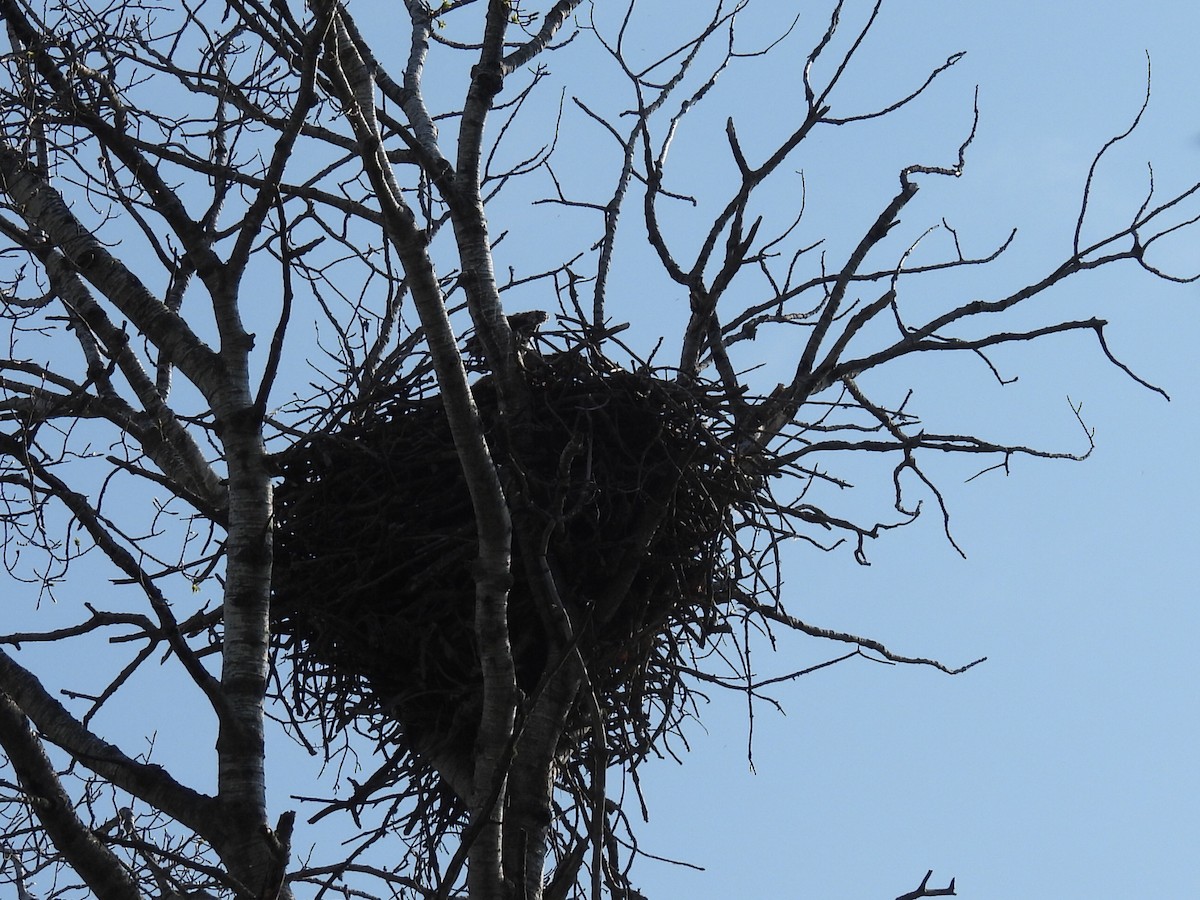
[(315, 411)]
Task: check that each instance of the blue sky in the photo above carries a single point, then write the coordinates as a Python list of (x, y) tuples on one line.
[(1065, 766)]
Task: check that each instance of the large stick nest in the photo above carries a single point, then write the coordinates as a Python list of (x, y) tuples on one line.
[(633, 479)]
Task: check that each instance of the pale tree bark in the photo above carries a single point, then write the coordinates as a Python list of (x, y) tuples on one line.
[(102, 871), (216, 225), (349, 73), (224, 378)]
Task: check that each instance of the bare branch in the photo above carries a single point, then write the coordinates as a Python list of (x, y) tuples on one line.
[(925, 891), (103, 872)]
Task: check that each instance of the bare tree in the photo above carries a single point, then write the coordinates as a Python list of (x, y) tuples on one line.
[(479, 576)]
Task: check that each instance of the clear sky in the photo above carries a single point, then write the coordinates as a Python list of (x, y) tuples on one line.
[(1066, 765)]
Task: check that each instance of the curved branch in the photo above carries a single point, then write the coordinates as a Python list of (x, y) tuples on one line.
[(775, 614), (123, 559), (103, 872), (552, 23), (149, 783), (44, 209)]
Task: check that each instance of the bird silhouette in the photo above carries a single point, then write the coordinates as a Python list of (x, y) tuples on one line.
[(524, 326)]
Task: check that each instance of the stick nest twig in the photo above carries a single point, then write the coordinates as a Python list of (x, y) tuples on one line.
[(631, 480)]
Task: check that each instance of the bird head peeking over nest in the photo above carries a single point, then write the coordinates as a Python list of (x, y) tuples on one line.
[(524, 327)]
